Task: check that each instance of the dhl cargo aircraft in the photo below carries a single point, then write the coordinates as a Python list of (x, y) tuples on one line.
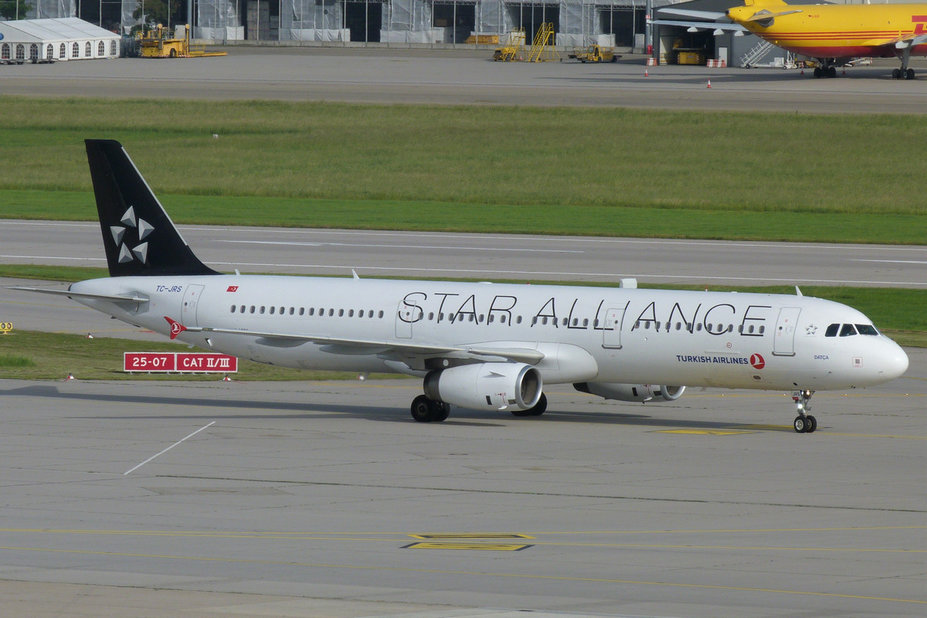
[(835, 33), (475, 345)]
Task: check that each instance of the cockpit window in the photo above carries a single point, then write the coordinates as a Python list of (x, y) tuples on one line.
[(866, 329), (847, 330), (832, 330)]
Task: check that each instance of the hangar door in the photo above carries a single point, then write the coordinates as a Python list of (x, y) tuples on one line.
[(364, 18), (458, 19), (530, 16), (678, 46)]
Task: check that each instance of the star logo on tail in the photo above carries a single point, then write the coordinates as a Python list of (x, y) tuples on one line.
[(123, 238)]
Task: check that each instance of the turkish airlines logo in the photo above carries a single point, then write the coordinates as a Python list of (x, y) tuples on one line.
[(232, 288), (120, 233), (176, 327), (757, 361)]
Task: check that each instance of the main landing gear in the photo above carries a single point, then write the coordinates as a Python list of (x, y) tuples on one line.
[(803, 423), (825, 71), (904, 72), (426, 410)]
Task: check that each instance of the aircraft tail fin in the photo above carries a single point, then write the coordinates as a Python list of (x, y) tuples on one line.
[(138, 235)]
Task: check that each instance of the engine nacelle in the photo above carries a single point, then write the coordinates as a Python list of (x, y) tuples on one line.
[(631, 392), (486, 385)]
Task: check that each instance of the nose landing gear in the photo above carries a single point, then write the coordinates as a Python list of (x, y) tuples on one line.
[(803, 423)]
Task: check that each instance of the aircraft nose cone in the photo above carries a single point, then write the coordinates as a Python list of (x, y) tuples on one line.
[(895, 362)]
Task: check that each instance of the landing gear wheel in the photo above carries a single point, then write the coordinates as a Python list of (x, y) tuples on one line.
[(425, 410), (537, 410), (832, 71), (800, 424), (817, 71), (811, 424), (896, 73), (909, 74)]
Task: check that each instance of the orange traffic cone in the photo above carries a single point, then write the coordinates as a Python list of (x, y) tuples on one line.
[(709, 83)]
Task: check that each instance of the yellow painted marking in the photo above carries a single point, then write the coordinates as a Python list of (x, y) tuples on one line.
[(705, 432), (523, 576), (471, 535), (469, 546)]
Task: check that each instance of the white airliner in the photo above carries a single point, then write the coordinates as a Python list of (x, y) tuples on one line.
[(476, 345)]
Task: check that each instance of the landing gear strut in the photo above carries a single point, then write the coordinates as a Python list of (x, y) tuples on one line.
[(426, 410), (803, 423), (904, 72)]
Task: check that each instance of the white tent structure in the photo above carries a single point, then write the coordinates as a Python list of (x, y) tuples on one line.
[(68, 38)]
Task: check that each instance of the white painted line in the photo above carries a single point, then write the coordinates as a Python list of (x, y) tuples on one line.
[(891, 261), (416, 247), (168, 448)]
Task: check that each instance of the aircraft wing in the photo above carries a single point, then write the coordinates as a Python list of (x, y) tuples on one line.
[(114, 297), (909, 41), (367, 346)]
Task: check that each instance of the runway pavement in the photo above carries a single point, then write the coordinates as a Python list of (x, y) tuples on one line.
[(391, 75), (325, 499), (494, 256)]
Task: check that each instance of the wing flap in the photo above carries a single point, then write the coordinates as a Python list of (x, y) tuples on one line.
[(342, 345)]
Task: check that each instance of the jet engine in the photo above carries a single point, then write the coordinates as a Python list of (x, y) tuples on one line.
[(631, 392), (486, 385)]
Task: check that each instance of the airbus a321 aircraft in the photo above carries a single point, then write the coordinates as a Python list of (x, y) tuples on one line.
[(482, 346)]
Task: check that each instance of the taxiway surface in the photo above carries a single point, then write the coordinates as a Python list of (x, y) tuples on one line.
[(465, 77), (325, 499)]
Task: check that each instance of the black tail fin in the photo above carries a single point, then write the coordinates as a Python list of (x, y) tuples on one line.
[(139, 237)]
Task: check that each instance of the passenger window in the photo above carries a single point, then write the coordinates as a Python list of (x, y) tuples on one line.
[(847, 330)]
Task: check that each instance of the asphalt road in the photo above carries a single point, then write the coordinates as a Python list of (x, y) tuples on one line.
[(465, 77), (537, 258), (325, 499)]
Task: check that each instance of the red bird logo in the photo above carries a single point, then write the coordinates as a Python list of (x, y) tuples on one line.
[(176, 327)]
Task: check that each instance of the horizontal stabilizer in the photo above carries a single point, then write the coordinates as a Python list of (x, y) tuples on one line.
[(135, 298)]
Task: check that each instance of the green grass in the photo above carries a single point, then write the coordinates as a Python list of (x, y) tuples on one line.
[(505, 169), (31, 355)]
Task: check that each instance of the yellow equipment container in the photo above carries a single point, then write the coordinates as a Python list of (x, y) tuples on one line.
[(157, 43), (690, 57)]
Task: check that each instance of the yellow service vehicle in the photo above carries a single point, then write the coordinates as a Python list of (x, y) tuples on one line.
[(595, 53), (158, 43)]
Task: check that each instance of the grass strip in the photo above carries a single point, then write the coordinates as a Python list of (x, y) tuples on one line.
[(32, 355), (538, 170), (882, 228)]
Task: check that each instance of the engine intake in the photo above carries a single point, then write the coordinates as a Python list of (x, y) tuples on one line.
[(631, 392), (486, 385)]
